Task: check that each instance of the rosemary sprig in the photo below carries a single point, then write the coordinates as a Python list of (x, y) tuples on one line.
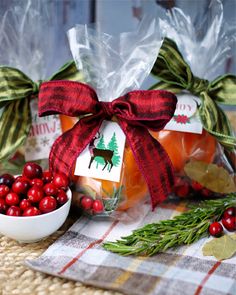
[(183, 229)]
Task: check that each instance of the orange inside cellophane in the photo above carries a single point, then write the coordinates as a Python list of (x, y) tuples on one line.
[(132, 185), (180, 146), (183, 146)]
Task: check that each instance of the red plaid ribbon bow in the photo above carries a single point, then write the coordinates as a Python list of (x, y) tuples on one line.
[(136, 112)]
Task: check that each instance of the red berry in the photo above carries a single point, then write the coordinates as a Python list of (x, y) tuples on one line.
[(61, 197), (20, 186), (32, 170), (86, 202), (47, 204), (182, 190), (4, 190), (229, 223), (3, 206), (215, 229), (50, 189), (24, 204), (98, 206), (229, 212), (22, 178), (14, 211), (12, 199), (206, 192), (7, 179), (37, 182), (31, 211), (196, 186), (60, 180), (47, 176), (35, 194)]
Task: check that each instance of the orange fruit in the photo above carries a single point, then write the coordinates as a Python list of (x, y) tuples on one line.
[(67, 122), (183, 146), (133, 184)]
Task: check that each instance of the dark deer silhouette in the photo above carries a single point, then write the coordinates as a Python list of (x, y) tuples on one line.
[(105, 154)]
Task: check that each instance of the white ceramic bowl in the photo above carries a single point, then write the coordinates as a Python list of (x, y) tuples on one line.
[(34, 228)]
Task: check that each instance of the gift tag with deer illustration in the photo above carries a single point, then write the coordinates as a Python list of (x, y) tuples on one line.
[(186, 118), (44, 131), (103, 157)]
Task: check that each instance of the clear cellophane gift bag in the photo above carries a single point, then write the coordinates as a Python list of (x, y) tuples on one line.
[(200, 140), (114, 65), (27, 56)]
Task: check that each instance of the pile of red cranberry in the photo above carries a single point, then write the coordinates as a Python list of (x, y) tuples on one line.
[(228, 220), (35, 192), (184, 187), (90, 205)]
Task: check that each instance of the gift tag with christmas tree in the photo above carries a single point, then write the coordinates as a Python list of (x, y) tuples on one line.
[(103, 157)]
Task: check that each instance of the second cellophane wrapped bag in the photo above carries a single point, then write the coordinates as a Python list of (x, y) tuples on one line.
[(27, 57), (200, 140)]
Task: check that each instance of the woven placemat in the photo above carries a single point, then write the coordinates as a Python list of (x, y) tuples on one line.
[(17, 279)]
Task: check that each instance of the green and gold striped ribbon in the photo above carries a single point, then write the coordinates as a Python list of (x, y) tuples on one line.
[(16, 90), (175, 75)]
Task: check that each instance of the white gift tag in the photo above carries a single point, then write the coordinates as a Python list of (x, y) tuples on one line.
[(186, 118), (44, 131), (103, 157)]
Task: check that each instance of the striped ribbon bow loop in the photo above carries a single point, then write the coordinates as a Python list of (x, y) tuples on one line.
[(175, 75), (136, 112), (16, 90)]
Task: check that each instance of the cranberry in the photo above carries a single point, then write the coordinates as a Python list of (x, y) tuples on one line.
[(97, 206), (182, 190), (229, 212), (178, 180), (4, 190), (35, 194), (20, 186), (61, 197), (206, 192), (196, 186), (215, 229), (60, 180), (12, 199), (3, 206), (37, 182), (47, 176), (31, 211), (50, 189), (14, 211), (86, 202), (22, 178), (32, 170), (24, 204), (47, 204), (7, 179), (229, 223)]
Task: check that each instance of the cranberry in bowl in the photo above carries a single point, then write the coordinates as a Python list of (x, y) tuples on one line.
[(28, 211)]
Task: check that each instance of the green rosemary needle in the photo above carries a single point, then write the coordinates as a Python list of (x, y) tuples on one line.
[(183, 229)]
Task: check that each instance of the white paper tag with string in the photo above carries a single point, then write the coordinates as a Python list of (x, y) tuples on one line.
[(186, 118), (103, 157), (44, 131)]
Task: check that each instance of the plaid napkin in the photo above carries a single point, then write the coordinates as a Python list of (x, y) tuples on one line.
[(78, 255)]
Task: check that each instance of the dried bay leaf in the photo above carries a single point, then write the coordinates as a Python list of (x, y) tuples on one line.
[(233, 236), (207, 249), (221, 248), (211, 176)]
